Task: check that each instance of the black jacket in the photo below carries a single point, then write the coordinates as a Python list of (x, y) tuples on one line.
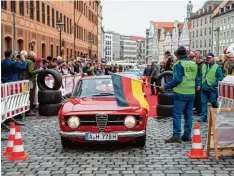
[(169, 64)]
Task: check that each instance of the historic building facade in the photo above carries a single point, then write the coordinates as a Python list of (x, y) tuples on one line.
[(223, 27), (201, 30), (166, 36), (35, 27)]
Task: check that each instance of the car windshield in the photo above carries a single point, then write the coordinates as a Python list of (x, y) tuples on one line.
[(94, 87)]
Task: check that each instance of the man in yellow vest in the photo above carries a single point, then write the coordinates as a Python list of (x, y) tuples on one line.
[(184, 82), (210, 75)]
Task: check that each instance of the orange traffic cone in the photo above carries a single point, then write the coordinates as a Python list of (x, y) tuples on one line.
[(10, 142), (197, 150), (18, 149)]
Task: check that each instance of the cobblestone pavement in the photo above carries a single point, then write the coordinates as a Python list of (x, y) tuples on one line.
[(46, 156)]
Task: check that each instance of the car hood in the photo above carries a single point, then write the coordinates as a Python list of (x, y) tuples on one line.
[(95, 104)]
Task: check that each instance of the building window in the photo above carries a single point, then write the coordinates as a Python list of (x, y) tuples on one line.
[(70, 26), (53, 18), (43, 12), (13, 6), (38, 10), (205, 43), (3, 4), (205, 31), (21, 6), (51, 50), (48, 15), (32, 9), (67, 53), (57, 50), (209, 43), (70, 52), (64, 21)]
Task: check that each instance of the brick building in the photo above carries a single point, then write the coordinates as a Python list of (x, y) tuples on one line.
[(35, 27)]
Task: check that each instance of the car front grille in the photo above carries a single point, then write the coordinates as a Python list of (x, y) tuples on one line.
[(101, 120), (113, 120)]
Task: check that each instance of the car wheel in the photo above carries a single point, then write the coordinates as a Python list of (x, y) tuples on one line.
[(49, 109), (41, 80), (164, 110), (49, 96), (66, 143), (140, 141), (166, 98)]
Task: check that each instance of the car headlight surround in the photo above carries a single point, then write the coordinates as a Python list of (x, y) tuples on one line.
[(130, 121), (73, 122)]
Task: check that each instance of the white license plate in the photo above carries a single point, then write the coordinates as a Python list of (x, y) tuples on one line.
[(101, 136)]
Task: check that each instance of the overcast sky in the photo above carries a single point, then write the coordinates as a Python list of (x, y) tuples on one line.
[(132, 17)]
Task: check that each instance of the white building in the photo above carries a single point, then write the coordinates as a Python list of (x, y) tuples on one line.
[(201, 33), (184, 39), (108, 47), (128, 48), (166, 37), (141, 50), (152, 49), (223, 27)]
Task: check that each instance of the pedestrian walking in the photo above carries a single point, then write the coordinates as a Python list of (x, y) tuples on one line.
[(210, 75), (154, 74), (183, 83), (146, 73)]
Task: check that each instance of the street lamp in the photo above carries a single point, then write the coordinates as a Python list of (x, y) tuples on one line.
[(59, 26)]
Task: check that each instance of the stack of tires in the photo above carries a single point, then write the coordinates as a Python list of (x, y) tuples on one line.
[(49, 98), (165, 99)]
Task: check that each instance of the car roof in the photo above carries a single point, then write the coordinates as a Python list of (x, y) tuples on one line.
[(96, 77)]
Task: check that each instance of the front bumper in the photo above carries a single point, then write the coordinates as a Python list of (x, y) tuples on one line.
[(127, 134)]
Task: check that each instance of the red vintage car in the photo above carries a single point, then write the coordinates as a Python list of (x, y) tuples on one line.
[(92, 115)]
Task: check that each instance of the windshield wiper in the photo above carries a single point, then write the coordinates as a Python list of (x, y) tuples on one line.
[(103, 94)]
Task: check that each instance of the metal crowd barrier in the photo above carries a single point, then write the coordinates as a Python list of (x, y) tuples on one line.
[(14, 99)]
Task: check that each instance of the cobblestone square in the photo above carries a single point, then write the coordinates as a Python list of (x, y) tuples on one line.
[(47, 157)]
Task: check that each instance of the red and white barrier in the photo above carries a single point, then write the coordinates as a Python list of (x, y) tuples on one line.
[(15, 95), (226, 92), (14, 99)]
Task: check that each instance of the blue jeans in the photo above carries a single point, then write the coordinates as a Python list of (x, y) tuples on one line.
[(212, 96), (182, 107)]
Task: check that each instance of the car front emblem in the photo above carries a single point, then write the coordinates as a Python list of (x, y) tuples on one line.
[(101, 120)]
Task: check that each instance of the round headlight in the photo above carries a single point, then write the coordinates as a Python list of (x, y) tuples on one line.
[(130, 121), (73, 122)]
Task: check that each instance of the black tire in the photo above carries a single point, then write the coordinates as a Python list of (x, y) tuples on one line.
[(161, 76), (66, 143), (49, 109), (141, 141), (49, 96), (41, 80), (166, 98), (164, 110)]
